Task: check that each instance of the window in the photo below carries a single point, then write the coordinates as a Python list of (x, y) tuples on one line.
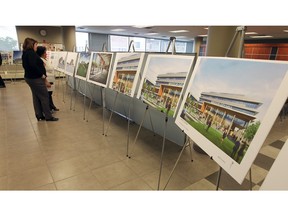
[(119, 43), (180, 47), (8, 38), (81, 41), (139, 43), (153, 45), (164, 46)]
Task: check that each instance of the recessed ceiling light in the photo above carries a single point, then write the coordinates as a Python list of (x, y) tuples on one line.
[(251, 33), (139, 26), (261, 36), (285, 30), (202, 35), (179, 31), (117, 30), (152, 33)]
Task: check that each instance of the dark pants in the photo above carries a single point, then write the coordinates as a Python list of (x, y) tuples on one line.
[(51, 104), (40, 97), (2, 84)]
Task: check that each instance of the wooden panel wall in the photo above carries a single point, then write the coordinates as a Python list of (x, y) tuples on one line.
[(266, 51), (282, 53), (261, 51)]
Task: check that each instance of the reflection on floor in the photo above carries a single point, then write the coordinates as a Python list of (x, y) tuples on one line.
[(73, 153)]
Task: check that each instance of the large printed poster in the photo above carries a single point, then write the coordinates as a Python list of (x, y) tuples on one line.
[(163, 79), (100, 68), (83, 65), (230, 106), (17, 57), (71, 61), (61, 61), (52, 58), (125, 73)]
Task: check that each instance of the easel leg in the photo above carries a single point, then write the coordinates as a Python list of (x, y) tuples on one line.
[(71, 98), (91, 100), (128, 128), (65, 86), (103, 107), (114, 103), (162, 152), (147, 107), (176, 163), (151, 124), (84, 101), (250, 178), (75, 93), (190, 145), (218, 178)]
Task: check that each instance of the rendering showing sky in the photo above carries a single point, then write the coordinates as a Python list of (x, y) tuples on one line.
[(258, 80), (167, 64)]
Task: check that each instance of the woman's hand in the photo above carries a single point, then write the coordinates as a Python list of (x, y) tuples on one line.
[(48, 85)]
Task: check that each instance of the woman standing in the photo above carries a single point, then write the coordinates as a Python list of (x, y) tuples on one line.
[(35, 75)]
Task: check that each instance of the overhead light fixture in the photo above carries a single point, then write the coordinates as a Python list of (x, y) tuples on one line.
[(152, 33), (251, 33), (285, 30), (179, 31), (261, 36), (140, 26), (203, 35), (117, 30)]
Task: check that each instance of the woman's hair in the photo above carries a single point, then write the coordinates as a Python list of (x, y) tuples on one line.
[(41, 50), (29, 43)]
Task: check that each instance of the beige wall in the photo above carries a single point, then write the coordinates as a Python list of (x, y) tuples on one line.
[(55, 34), (219, 40), (69, 38)]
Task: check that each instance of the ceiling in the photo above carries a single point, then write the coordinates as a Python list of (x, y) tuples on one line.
[(163, 32)]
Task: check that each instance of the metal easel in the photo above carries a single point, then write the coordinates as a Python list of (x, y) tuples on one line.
[(102, 94), (77, 86), (188, 143), (83, 93), (240, 31), (172, 45), (104, 49), (140, 126), (131, 45), (73, 90), (219, 177)]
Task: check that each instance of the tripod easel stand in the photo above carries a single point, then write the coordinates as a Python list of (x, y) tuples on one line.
[(131, 45), (188, 143), (239, 31), (171, 42)]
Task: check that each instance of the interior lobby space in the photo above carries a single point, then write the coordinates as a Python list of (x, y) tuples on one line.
[(73, 153)]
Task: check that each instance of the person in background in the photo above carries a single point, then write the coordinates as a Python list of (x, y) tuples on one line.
[(41, 51), (35, 76), (2, 84)]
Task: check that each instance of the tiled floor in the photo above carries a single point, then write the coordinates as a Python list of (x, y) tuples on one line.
[(73, 154)]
